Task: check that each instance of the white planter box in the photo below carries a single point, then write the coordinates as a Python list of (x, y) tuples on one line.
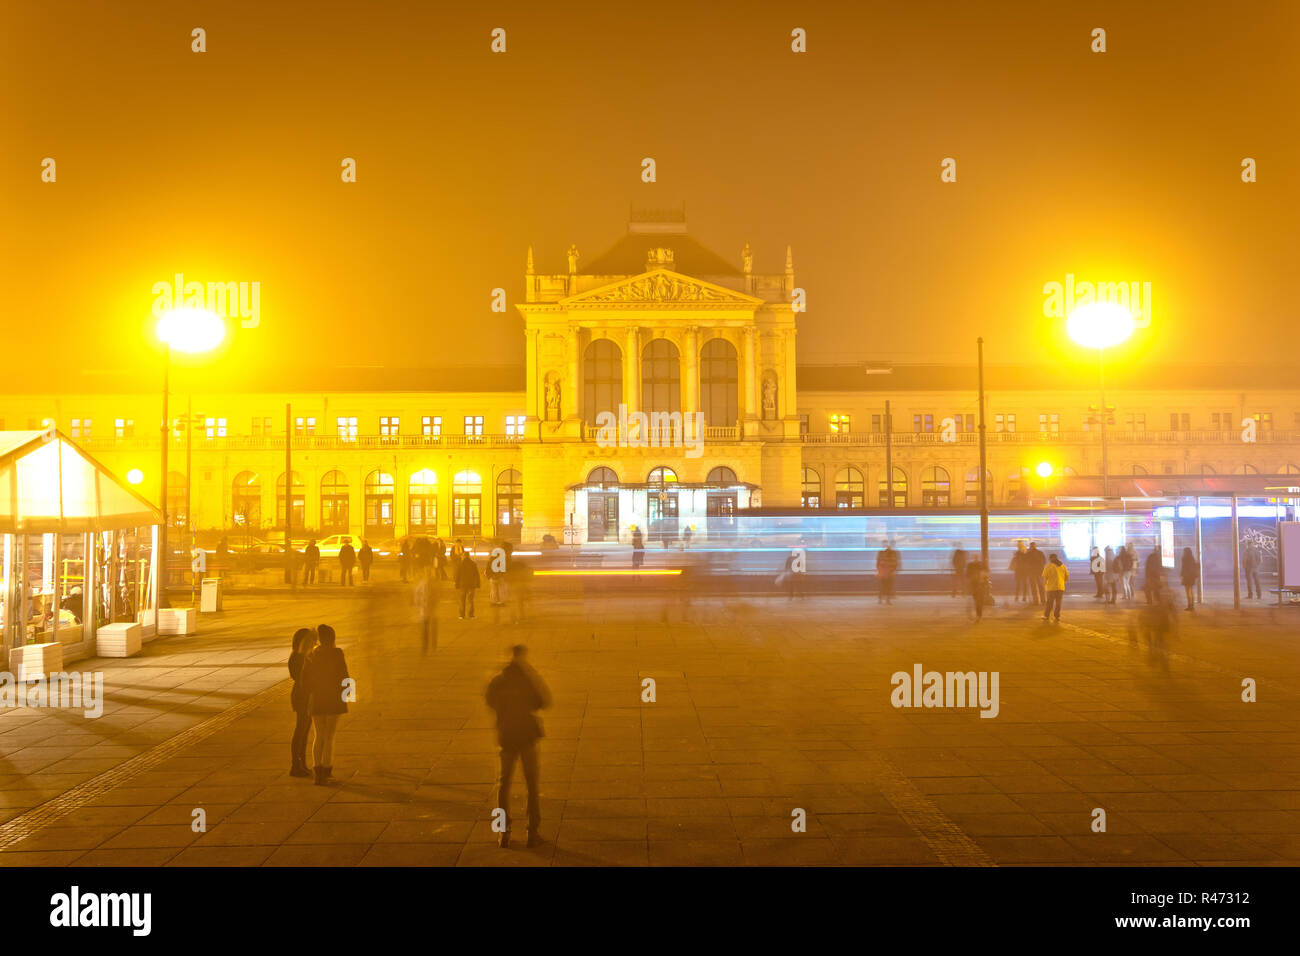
[(178, 620), (118, 640), (147, 627), (35, 661)]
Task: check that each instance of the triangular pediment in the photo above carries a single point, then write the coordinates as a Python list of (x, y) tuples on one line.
[(663, 288)]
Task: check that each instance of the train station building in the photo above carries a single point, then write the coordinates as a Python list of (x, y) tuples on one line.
[(658, 387)]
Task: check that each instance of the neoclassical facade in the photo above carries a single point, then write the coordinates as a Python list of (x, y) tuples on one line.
[(658, 388)]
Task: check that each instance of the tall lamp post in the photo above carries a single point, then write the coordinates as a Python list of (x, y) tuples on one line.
[(192, 331), (1100, 325)]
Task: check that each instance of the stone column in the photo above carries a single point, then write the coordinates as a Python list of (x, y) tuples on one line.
[(751, 375), (691, 373), (570, 402), (632, 371)]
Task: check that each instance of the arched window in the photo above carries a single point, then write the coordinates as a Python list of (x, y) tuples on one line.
[(1245, 470), (246, 501), (973, 486), (811, 491), (334, 510), (510, 503), (602, 379), (602, 505), (661, 378), (900, 489), (935, 487), (379, 504), (299, 501), (422, 502), (849, 491), (1018, 484), (719, 390), (722, 475), (604, 478), (1291, 470), (1140, 470), (466, 503), (662, 475)]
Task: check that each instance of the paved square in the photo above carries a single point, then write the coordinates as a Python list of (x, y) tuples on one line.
[(763, 708)]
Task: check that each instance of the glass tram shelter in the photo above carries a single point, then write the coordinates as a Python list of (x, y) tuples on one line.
[(76, 545)]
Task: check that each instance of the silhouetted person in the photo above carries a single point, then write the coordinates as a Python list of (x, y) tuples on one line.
[(796, 566), (310, 561), (1020, 568), (887, 564), (1110, 583), (1190, 572), (1035, 564), (467, 582), (324, 674), (347, 560), (1250, 561), (638, 548), (1130, 563), (304, 640), (440, 558), (959, 582), (515, 694), (404, 559), (1153, 578), (425, 599), (1054, 579), (365, 558)]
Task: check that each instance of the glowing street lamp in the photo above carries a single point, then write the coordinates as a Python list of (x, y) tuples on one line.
[(134, 476), (1044, 470), (192, 331), (1101, 325)]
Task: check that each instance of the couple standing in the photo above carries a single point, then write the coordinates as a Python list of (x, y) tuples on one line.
[(321, 686)]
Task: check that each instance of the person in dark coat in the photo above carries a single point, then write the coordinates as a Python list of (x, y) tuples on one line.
[(1153, 580), (310, 561), (440, 558), (365, 558), (959, 581), (467, 582), (304, 639), (887, 565), (1190, 573), (1250, 561), (347, 560), (1035, 563), (325, 674), (515, 694), (638, 548), (404, 558), (1020, 568)]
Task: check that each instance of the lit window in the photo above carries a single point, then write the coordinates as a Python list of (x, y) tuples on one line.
[(1049, 422), (347, 427), (124, 427), (1265, 420), (431, 426), (1004, 423), (214, 427), (474, 426), (389, 426), (964, 423), (74, 428), (515, 425), (262, 426), (304, 426), (841, 424)]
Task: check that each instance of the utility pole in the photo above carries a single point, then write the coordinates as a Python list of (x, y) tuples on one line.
[(984, 480), (889, 455), (160, 560), (288, 495)]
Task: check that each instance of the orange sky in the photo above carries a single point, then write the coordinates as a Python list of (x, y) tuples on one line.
[(225, 166)]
